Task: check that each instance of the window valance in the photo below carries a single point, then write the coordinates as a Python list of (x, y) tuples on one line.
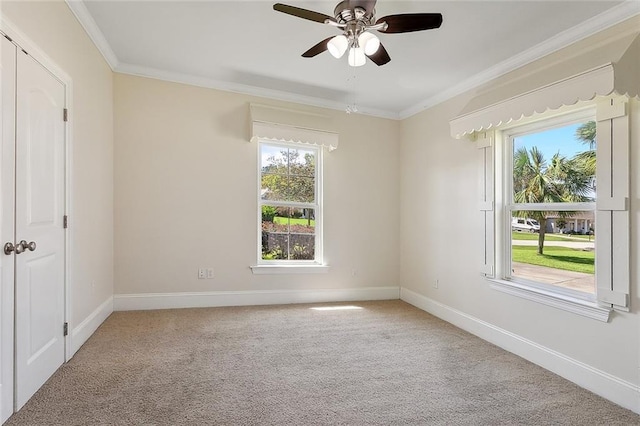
[(611, 68), (286, 125)]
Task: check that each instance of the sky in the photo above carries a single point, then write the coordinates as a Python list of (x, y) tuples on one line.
[(552, 141), (267, 151)]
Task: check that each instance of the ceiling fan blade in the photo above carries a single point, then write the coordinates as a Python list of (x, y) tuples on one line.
[(381, 56), (303, 13), (409, 22), (317, 49)]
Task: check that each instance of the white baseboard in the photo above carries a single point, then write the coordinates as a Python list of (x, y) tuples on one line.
[(599, 382), (146, 301), (86, 328)]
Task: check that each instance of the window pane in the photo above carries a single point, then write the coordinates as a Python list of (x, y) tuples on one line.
[(556, 165), (287, 174), (273, 159), (274, 187), (288, 233), (302, 162), (302, 234), (301, 189), (275, 232), (302, 221)]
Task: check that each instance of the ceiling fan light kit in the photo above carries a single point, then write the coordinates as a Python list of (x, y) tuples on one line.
[(356, 19)]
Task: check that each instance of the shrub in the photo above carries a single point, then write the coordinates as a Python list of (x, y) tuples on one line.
[(275, 254), (301, 253), (268, 213)]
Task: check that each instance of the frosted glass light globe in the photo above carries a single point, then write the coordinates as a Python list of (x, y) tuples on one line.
[(337, 46), (369, 42), (356, 57)]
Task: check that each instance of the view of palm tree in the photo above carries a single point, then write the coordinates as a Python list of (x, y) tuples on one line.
[(553, 167), (586, 133)]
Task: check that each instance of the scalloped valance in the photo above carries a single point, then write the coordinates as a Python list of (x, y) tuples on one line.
[(287, 125), (612, 68)]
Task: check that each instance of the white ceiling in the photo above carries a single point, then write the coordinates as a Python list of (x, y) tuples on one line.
[(245, 46)]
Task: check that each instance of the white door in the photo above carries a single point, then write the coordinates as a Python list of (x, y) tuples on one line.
[(7, 175), (39, 212)]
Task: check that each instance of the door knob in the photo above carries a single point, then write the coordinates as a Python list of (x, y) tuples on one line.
[(9, 248), (26, 246), (20, 247)]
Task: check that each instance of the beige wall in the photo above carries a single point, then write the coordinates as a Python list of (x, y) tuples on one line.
[(54, 29), (439, 183), (185, 185)]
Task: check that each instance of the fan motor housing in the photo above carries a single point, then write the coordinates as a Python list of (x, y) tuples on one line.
[(354, 10)]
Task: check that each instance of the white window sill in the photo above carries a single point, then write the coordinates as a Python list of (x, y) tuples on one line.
[(289, 269), (566, 303)]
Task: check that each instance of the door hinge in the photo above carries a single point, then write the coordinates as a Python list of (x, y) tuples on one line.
[(65, 329), (65, 114), (65, 221)]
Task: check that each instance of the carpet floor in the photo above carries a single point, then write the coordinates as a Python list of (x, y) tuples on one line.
[(386, 363)]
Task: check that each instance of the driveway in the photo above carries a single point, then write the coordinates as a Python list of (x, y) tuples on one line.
[(558, 277)]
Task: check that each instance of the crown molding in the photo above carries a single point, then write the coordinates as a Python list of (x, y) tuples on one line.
[(89, 24), (226, 86), (28, 46), (611, 17)]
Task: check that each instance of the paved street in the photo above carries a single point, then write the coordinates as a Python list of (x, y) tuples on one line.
[(582, 245)]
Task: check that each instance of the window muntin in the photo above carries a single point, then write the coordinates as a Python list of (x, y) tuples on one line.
[(289, 206), (550, 208)]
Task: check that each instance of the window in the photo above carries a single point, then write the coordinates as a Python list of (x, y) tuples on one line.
[(556, 221), (289, 204), (550, 194), (545, 93)]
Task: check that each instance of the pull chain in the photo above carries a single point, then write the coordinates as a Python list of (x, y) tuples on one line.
[(353, 107)]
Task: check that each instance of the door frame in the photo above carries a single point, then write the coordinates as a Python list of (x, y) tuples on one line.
[(23, 42)]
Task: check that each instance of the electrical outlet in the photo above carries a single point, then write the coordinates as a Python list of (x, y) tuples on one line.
[(209, 273), (202, 273), (435, 284)]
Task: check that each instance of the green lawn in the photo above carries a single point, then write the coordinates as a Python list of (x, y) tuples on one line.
[(556, 257), (534, 236), (549, 237), (580, 237), (284, 220)]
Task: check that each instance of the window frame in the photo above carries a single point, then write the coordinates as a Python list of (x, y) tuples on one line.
[(264, 266), (611, 116), (506, 139)]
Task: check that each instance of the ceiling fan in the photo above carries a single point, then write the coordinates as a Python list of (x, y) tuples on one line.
[(356, 18)]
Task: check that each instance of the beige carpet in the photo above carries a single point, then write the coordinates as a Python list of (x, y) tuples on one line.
[(386, 364)]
